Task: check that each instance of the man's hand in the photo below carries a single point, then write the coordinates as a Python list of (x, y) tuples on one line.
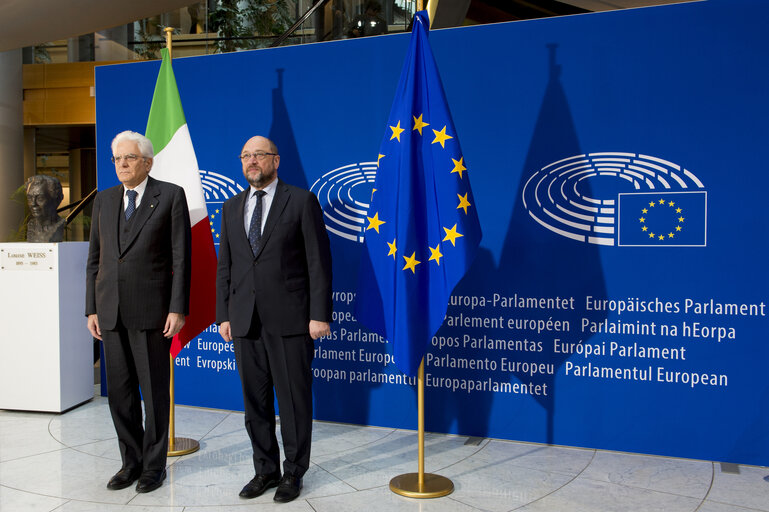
[(319, 329), (224, 331), (174, 324), (93, 326)]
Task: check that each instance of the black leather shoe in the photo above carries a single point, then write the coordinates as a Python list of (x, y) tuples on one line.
[(288, 489), (259, 484), (150, 480), (123, 478)]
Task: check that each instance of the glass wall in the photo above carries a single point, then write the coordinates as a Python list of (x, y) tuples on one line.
[(219, 26), (65, 149)]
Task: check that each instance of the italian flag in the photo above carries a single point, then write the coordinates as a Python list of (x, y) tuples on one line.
[(175, 162)]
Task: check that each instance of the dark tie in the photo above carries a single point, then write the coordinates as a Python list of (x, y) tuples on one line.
[(255, 230), (131, 208)]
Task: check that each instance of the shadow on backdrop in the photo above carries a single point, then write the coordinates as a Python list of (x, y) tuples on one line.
[(282, 134), (535, 262)]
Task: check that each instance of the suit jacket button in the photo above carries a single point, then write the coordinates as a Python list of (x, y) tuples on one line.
[(120, 260)]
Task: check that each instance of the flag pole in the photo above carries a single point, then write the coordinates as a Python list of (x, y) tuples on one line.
[(176, 445), (421, 484), (169, 31), (432, 6)]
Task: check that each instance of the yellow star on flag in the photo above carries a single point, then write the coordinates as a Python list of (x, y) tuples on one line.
[(393, 249), (463, 203), (379, 158), (411, 262), (459, 166), (419, 124), (374, 222), (397, 130), (442, 137), (452, 235), (435, 254)]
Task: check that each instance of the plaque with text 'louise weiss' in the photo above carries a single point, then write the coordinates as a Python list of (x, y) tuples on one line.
[(27, 260)]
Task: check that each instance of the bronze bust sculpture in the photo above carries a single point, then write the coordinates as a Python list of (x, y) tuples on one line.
[(44, 194)]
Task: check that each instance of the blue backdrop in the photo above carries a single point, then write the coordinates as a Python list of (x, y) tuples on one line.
[(618, 298)]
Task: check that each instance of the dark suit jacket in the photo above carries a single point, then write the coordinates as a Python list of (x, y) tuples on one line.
[(151, 277), (288, 283)]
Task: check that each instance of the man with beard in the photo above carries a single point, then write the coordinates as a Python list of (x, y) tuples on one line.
[(273, 298)]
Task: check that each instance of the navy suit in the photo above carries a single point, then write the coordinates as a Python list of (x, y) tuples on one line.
[(269, 299), (137, 272)]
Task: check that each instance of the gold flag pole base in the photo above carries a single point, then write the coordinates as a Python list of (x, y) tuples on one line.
[(182, 446), (421, 484), (177, 445), (434, 486)]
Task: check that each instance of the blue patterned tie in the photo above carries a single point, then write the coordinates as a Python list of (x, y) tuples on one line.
[(255, 229), (131, 208)]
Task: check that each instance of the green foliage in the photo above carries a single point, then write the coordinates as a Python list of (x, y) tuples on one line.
[(248, 24), (81, 221), (20, 196), (40, 53)]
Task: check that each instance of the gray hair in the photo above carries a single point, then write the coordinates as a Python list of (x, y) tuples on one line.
[(145, 145)]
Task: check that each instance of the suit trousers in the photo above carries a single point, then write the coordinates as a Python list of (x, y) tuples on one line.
[(139, 359), (282, 363)]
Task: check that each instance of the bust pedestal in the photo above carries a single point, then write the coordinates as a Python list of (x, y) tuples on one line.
[(46, 351)]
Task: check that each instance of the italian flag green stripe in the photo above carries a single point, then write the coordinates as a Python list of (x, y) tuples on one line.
[(166, 114)]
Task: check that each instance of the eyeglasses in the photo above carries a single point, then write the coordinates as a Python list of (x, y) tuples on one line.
[(130, 158), (259, 155)]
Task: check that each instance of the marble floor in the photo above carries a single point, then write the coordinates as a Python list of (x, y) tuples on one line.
[(61, 462)]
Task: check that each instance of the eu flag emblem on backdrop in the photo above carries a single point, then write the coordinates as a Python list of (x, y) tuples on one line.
[(663, 219), (422, 228)]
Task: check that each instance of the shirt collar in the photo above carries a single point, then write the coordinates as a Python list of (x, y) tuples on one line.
[(138, 188), (269, 189)]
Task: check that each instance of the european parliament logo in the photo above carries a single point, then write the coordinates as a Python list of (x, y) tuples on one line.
[(619, 199), (217, 188), (344, 194)]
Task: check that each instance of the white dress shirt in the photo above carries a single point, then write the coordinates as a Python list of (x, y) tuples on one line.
[(266, 204)]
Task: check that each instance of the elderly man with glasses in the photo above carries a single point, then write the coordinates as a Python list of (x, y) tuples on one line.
[(273, 298), (137, 295)]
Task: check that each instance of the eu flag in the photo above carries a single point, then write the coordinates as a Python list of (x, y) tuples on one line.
[(663, 219), (422, 229)]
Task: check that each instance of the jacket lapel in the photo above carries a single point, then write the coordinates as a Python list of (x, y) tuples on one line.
[(146, 208), (276, 210), (236, 224), (113, 207)]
